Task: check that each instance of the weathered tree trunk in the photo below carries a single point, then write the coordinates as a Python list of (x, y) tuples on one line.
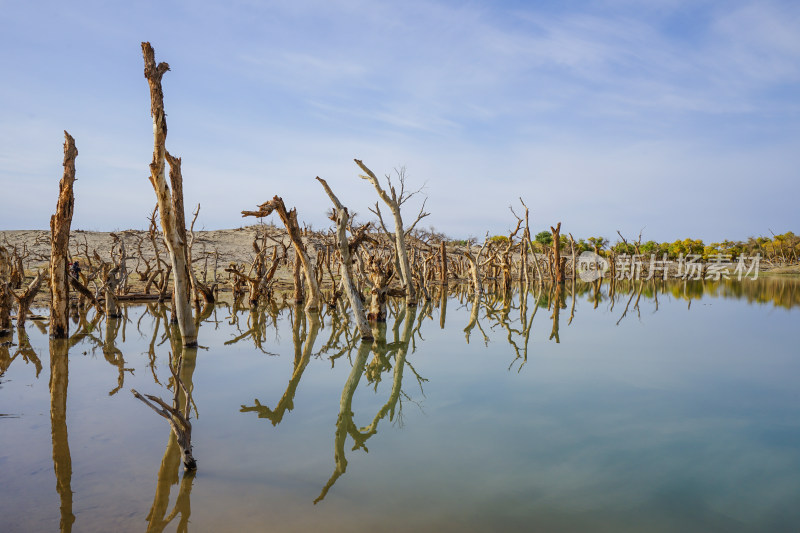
[(558, 270), (289, 219), (380, 274), (342, 217), (172, 222), (110, 284), (297, 278), (6, 294), (574, 260), (176, 414), (399, 233), (59, 238), (443, 264), (24, 301)]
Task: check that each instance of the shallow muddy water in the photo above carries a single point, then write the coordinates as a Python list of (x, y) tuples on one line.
[(658, 408)]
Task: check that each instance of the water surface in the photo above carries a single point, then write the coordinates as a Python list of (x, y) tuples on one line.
[(648, 407)]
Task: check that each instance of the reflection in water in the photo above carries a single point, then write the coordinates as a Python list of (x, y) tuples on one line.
[(302, 355), (62, 460), (382, 351), (508, 319), (178, 444), (168, 475), (24, 349), (258, 321), (113, 354)]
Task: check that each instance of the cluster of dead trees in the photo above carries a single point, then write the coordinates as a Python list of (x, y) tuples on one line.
[(364, 263)]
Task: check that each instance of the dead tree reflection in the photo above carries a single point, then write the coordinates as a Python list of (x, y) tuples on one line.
[(558, 303), (259, 319), (179, 443), (168, 475), (345, 425), (182, 368), (62, 460), (302, 355)]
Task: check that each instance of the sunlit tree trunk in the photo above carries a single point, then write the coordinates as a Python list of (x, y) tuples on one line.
[(172, 221), (59, 244), (342, 217)]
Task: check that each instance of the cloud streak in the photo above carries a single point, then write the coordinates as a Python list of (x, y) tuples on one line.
[(604, 115)]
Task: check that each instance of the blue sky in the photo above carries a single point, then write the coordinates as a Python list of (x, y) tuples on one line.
[(679, 117)]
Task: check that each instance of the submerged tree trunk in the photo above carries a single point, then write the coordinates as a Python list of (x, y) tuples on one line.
[(342, 218), (24, 301), (289, 219), (558, 266), (6, 294), (59, 244), (399, 233), (167, 203), (443, 264)]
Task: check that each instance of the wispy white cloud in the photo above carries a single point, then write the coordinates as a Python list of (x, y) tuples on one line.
[(582, 110)]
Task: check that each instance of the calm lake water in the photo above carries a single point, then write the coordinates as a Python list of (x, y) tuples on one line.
[(660, 408)]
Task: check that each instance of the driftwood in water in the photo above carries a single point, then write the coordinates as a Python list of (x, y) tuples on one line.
[(25, 299), (170, 204), (178, 420), (342, 217), (59, 237)]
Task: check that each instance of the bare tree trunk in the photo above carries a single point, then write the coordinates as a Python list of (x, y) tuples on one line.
[(399, 233), (110, 284), (558, 268), (59, 239), (6, 294), (342, 218), (24, 301), (289, 219), (299, 295), (168, 204), (443, 271), (380, 274)]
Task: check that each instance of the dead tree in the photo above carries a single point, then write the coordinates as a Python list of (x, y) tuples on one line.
[(475, 263), (26, 298), (198, 288), (443, 264), (395, 202), (342, 217), (178, 419), (380, 273), (59, 248), (289, 219), (110, 284), (6, 293), (170, 204), (558, 265)]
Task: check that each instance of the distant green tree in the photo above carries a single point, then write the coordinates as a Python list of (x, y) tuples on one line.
[(650, 247), (545, 238)]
